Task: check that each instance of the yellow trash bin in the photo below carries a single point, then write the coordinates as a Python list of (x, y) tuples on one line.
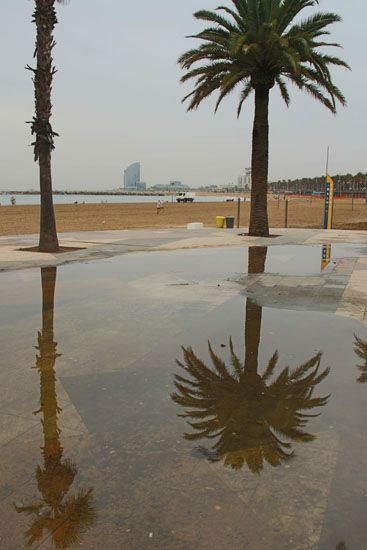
[(220, 222)]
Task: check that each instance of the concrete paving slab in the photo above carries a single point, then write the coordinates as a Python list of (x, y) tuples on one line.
[(354, 299), (336, 236), (311, 281), (291, 501)]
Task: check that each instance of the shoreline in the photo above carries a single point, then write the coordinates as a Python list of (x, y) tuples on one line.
[(125, 194)]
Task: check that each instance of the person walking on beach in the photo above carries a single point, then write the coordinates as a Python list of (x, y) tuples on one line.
[(160, 206)]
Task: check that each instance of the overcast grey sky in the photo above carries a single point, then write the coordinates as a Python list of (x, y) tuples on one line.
[(117, 100)]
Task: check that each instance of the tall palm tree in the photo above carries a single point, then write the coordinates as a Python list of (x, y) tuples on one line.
[(253, 417), (64, 517), (259, 44), (44, 17)]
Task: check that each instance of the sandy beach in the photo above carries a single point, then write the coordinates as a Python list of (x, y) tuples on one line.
[(23, 220)]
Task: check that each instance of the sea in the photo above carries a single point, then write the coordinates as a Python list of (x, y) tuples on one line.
[(5, 199)]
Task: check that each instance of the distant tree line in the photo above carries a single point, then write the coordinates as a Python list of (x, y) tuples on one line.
[(346, 184)]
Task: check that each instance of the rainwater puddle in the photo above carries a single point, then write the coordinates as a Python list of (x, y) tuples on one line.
[(121, 427)]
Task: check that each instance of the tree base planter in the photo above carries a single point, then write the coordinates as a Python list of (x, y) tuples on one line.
[(268, 237), (61, 250)]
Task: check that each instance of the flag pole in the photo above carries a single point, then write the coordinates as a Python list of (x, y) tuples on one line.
[(329, 196)]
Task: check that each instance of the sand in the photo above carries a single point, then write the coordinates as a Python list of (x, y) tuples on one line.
[(22, 220)]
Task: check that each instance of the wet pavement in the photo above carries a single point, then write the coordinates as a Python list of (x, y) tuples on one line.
[(186, 399), (18, 252)]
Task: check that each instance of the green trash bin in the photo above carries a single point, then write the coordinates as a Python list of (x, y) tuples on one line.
[(229, 222)]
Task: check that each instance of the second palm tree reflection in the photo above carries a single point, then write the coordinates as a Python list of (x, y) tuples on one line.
[(360, 349), (65, 517), (253, 417)]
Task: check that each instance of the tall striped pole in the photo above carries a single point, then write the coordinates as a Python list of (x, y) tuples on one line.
[(329, 197)]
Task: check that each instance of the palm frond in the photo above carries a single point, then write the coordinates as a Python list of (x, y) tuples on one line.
[(260, 44), (206, 15), (244, 95), (283, 90)]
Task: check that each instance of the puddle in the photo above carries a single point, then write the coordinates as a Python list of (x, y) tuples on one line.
[(306, 260), (120, 427)]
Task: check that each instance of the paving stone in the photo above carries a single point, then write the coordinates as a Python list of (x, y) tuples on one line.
[(312, 281), (292, 281)]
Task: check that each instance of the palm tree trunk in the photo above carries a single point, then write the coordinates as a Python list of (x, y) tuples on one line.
[(46, 366), (45, 19), (252, 335), (256, 264), (48, 241), (257, 259), (48, 279), (259, 224)]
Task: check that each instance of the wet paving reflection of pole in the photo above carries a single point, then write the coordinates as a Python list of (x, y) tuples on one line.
[(62, 517), (251, 417)]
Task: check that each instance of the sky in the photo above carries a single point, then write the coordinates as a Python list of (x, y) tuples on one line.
[(117, 100)]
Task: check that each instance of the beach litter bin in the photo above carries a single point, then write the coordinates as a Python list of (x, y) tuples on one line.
[(220, 222), (229, 222)]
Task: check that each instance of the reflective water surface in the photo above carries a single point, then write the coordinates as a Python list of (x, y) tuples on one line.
[(143, 409)]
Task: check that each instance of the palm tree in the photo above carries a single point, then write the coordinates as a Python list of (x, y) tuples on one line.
[(66, 518), (248, 413), (252, 417), (260, 44), (44, 17), (360, 349)]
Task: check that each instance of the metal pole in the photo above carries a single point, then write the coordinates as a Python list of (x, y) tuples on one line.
[(352, 200), (238, 212), (327, 188), (286, 214)]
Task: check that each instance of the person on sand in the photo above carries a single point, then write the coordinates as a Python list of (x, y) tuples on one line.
[(160, 206)]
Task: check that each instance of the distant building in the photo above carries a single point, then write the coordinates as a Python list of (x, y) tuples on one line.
[(209, 188), (244, 182), (132, 176), (178, 186), (159, 187), (172, 186)]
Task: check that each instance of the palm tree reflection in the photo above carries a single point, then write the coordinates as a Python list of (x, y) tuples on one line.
[(64, 517), (360, 349), (252, 417)]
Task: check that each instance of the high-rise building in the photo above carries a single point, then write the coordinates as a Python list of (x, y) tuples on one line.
[(244, 182), (248, 177), (132, 176)]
